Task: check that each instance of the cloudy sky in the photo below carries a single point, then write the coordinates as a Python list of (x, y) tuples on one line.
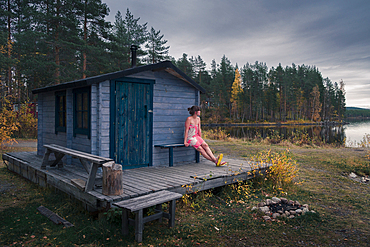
[(333, 35)]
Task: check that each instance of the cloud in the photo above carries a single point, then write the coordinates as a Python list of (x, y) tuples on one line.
[(332, 35)]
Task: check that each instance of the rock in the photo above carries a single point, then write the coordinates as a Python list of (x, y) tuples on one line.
[(352, 175), (280, 211), (291, 217), (268, 213), (254, 208), (292, 212), (299, 211), (266, 218), (290, 202), (275, 215), (304, 210), (284, 200), (268, 202), (283, 215), (264, 209), (297, 203), (261, 204), (313, 212), (275, 199), (305, 206), (287, 213)]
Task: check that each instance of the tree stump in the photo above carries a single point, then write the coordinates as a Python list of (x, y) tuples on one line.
[(112, 179)]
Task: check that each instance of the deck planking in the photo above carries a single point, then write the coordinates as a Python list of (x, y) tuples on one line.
[(183, 178)]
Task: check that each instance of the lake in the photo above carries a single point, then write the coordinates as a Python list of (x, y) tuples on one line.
[(350, 135)]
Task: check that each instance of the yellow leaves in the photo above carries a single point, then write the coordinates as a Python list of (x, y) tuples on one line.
[(282, 171)]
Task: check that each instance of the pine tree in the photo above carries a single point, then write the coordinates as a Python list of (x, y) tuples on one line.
[(156, 49), (94, 33), (127, 32)]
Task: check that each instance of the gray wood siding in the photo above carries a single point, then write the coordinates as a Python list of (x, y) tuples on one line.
[(171, 99), (100, 118)]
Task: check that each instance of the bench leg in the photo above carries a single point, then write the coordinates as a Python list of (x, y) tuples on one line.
[(171, 156), (58, 157), (158, 208), (139, 225), (91, 179), (125, 223), (197, 156), (45, 159), (172, 209)]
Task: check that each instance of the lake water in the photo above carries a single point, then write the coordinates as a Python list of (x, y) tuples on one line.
[(350, 135)]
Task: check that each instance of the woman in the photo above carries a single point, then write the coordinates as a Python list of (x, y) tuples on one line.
[(193, 137)]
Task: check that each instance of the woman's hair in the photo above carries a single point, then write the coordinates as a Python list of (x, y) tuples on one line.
[(193, 109)]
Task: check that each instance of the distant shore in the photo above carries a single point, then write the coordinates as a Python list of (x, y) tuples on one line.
[(326, 123)]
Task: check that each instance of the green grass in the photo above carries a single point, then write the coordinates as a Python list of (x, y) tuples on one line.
[(220, 217)]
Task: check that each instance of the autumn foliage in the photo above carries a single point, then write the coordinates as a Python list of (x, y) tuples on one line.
[(21, 123)]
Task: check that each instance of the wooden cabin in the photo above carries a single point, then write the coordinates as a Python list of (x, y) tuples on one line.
[(120, 115)]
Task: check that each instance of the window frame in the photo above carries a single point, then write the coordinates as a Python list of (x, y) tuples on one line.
[(58, 127), (76, 129)]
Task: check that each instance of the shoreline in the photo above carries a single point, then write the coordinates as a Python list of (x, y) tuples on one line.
[(329, 123)]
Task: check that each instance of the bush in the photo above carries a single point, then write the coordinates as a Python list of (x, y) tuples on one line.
[(282, 171), (8, 122)]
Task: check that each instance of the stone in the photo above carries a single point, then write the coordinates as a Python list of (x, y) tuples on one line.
[(299, 211), (280, 211), (268, 202), (268, 213), (284, 200), (275, 199), (290, 202), (292, 212), (254, 208), (266, 218), (275, 215), (304, 210), (261, 204), (287, 213), (297, 203), (352, 175), (305, 206), (283, 215), (291, 217), (264, 209)]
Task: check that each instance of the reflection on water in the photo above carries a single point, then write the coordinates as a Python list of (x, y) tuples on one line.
[(326, 134), (357, 133), (352, 135)]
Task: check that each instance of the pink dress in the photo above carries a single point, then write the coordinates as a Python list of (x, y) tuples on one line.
[(194, 138)]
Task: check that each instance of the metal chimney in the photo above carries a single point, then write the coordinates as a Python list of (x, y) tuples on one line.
[(133, 55)]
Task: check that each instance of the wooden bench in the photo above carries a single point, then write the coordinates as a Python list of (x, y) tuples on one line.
[(85, 158), (137, 205), (170, 147)]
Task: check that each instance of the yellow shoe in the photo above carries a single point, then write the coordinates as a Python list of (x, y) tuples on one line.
[(223, 163), (219, 159)]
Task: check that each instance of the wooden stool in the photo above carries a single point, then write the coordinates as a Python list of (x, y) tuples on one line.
[(137, 205)]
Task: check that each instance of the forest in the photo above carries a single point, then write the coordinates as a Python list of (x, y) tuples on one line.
[(49, 42)]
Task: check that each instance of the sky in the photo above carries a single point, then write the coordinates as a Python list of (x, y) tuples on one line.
[(333, 35)]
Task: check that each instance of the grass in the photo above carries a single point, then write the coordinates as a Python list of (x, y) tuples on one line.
[(219, 217)]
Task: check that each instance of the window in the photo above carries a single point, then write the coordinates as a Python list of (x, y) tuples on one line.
[(60, 112), (81, 113)]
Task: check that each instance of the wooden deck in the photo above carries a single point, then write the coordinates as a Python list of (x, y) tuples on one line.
[(184, 178)]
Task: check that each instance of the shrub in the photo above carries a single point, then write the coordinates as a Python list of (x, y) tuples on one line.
[(282, 171), (8, 121)]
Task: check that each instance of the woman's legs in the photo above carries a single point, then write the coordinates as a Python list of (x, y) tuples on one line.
[(206, 152)]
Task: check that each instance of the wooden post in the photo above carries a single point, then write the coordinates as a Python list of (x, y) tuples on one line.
[(112, 179)]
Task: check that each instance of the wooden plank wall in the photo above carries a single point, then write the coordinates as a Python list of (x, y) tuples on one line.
[(171, 98), (100, 118)]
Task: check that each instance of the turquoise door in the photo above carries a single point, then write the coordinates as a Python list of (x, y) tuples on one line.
[(133, 123)]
